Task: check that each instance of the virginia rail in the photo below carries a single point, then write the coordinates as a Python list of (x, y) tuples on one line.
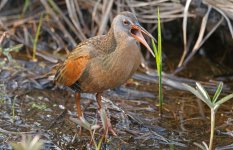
[(104, 62)]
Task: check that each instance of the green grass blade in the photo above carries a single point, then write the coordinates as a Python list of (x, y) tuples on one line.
[(13, 108), (194, 91), (159, 37), (36, 38), (100, 143), (53, 5), (14, 48), (25, 6), (82, 122), (225, 99), (197, 94), (203, 91), (154, 48), (160, 56), (202, 147), (157, 59), (207, 101), (6, 51), (217, 93), (159, 63)]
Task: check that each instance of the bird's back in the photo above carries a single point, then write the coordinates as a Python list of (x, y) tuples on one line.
[(72, 68)]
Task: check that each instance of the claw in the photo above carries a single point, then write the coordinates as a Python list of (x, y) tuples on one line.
[(106, 122)]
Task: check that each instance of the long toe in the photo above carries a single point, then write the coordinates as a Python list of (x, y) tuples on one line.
[(112, 130), (106, 122)]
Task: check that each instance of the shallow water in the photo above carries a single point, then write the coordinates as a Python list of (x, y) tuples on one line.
[(33, 106)]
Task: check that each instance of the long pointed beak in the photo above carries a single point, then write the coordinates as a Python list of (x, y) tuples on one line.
[(136, 32)]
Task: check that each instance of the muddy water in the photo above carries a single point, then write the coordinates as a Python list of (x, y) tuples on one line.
[(33, 106)]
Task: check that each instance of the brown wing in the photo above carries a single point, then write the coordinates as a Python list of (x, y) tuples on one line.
[(72, 68), (70, 71)]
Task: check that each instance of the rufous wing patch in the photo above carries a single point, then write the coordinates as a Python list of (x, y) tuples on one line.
[(71, 70)]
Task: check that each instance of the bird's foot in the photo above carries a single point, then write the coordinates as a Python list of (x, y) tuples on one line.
[(82, 122), (106, 122)]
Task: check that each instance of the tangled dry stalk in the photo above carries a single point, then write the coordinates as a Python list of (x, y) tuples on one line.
[(67, 22), (224, 8)]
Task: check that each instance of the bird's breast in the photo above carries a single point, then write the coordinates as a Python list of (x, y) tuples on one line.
[(109, 71)]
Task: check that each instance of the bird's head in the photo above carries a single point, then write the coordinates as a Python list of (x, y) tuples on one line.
[(126, 26)]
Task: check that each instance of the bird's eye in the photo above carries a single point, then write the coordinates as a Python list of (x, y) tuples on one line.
[(125, 22)]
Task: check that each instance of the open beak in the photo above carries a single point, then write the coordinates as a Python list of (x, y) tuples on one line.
[(136, 32)]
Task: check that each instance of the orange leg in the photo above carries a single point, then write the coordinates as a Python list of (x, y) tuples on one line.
[(78, 104), (98, 98), (79, 110), (106, 120)]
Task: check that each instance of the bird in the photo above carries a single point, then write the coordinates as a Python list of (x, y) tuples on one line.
[(105, 61)]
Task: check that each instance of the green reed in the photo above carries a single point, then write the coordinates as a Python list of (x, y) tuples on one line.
[(158, 60), (35, 40), (213, 103)]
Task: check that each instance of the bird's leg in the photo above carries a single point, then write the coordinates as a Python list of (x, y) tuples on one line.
[(78, 105), (81, 120), (79, 110), (104, 116), (98, 98)]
